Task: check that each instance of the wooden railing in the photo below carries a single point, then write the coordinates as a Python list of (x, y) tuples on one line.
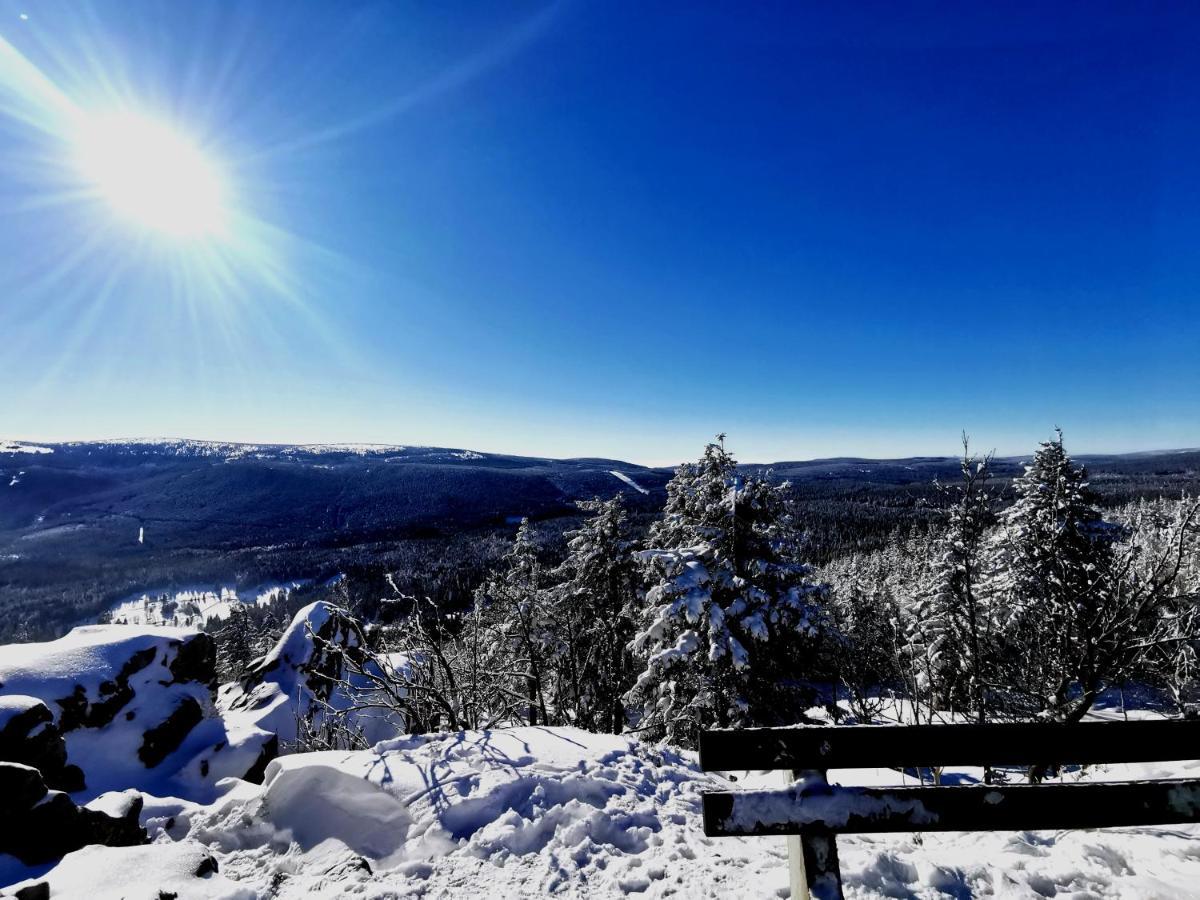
[(813, 812)]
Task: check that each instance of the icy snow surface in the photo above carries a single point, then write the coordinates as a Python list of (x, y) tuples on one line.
[(140, 873)]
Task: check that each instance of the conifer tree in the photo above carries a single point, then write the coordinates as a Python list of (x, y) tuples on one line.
[(731, 617), (951, 631), (516, 621), (595, 606), (1051, 579), (236, 641)]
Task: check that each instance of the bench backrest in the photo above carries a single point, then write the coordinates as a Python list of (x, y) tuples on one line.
[(817, 812), (910, 746)]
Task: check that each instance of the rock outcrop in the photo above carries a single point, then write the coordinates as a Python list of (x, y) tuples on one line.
[(304, 676), (38, 825), (73, 708), (28, 735)]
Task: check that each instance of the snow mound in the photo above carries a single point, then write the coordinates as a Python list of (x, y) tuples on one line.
[(517, 812)]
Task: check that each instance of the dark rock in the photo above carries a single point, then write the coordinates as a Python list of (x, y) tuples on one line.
[(21, 786), (163, 739), (30, 737), (38, 891), (257, 772), (39, 826), (208, 866), (196, 660)]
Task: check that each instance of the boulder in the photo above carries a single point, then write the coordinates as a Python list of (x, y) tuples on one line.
[(29, 735), (38, 825)]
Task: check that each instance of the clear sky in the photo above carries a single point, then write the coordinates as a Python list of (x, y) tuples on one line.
[(592, 228)]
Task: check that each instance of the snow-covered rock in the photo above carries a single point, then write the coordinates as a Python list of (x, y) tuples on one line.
[(302, 676), (29, 736), (133, 705)]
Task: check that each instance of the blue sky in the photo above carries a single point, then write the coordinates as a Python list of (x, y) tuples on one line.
[(615, 229)]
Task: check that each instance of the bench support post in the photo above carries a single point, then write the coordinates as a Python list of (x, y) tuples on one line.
[(821, 869), (813, 870)]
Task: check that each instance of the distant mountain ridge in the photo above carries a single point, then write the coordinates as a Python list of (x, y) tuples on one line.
[(83, 523)]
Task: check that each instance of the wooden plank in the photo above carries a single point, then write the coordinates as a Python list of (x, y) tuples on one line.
[(1025, 807), (907, 746)]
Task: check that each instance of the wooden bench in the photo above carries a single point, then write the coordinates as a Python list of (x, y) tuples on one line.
[(813, 812)]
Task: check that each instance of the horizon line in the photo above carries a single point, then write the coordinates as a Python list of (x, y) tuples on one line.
[(384, 445)]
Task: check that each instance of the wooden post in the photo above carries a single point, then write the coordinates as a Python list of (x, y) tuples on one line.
[(821, 868), (813, 869), (797, 881)]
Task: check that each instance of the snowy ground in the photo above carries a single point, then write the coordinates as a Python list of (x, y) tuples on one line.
[(505, 814), (532, 811)]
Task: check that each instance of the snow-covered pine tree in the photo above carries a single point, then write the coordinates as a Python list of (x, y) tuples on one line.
[(950, 635), (871, 608), (1163, 549), (731, 616), (595, 605), (1050, 579), (517, 640)]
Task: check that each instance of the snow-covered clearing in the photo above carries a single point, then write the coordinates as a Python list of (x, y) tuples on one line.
[(194, 606), (629, 481), (21, 447)]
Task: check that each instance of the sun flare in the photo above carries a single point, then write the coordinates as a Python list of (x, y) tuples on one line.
[(152, 175)]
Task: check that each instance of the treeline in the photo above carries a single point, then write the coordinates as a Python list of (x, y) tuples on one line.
[(711, 617), (1030, 610)]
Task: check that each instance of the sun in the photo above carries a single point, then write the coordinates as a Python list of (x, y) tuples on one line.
[(151, 175)]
